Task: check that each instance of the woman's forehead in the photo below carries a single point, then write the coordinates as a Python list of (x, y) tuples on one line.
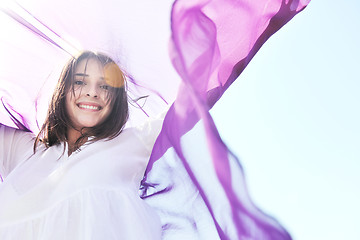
[(89, 65)]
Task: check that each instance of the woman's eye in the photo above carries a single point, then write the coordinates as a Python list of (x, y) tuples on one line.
[(105, 87), (78, 82)]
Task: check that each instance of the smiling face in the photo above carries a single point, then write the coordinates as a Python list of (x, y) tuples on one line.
[(91, 94), (87, 101)]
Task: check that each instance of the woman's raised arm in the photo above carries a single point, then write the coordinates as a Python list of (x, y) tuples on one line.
[(15, 147)]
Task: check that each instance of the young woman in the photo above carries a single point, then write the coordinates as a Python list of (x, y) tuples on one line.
[(79, 178)]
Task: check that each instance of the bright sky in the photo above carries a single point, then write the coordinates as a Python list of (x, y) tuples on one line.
[(293, 119)]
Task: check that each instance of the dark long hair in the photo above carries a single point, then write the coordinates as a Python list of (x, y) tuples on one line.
[(56, 125)]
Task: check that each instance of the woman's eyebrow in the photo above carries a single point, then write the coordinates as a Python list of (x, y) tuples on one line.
[(86, 75), (81, 74)]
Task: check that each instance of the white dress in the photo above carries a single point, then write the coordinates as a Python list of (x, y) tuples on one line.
[(91, 194)]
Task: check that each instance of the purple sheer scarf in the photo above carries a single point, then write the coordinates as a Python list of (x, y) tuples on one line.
[(212, 42), (193, 180)]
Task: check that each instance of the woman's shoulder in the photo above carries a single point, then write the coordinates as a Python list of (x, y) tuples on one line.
[(144, 133)]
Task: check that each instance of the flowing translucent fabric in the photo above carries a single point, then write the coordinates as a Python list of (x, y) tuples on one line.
[(193, 181)]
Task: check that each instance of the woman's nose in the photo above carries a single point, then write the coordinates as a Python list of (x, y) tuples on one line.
[(92, 91)]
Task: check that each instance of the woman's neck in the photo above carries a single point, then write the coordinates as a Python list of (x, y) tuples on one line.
[(72, 136)]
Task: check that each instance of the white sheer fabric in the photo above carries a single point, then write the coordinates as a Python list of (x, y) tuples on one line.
[(91, 194)]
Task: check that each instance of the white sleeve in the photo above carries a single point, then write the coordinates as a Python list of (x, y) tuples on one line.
[(149, 131), (15, 145)]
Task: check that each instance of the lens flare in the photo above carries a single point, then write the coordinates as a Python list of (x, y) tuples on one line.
[(114, 77)]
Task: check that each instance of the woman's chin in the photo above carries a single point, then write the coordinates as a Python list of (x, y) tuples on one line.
[(83, 125)]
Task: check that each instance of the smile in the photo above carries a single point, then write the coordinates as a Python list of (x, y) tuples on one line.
[(90, 107)]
